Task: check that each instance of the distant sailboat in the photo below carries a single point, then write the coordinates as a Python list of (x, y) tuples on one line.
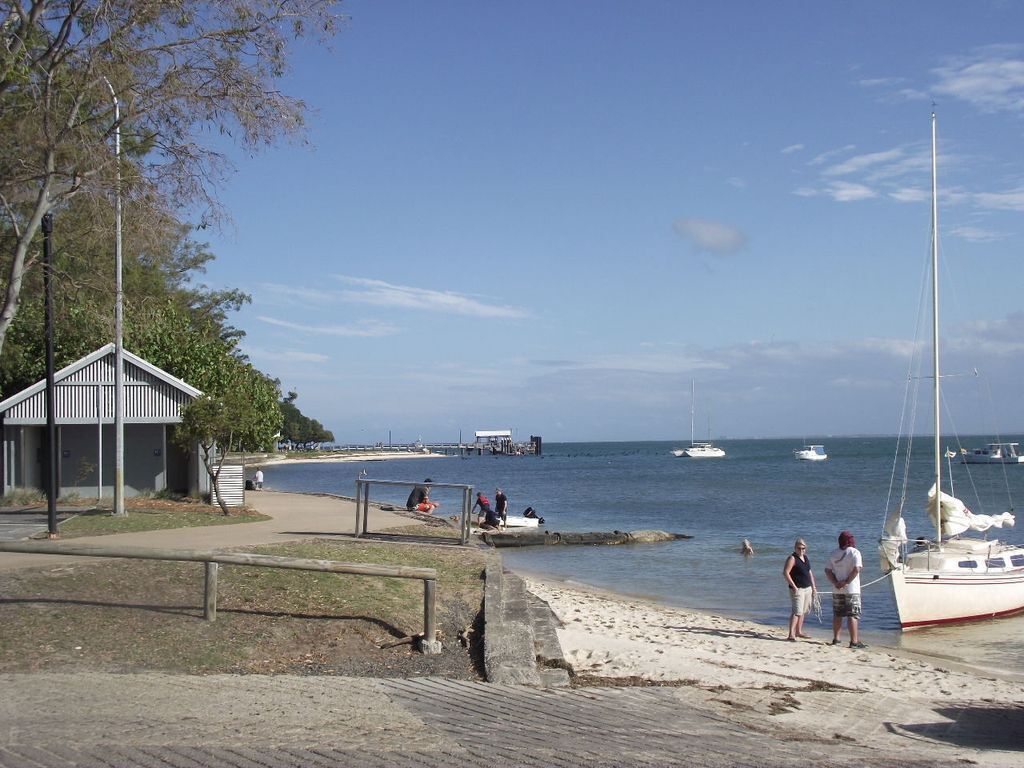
[(698, 450)]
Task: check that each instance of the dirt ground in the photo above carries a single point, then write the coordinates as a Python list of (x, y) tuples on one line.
[(146, 616)]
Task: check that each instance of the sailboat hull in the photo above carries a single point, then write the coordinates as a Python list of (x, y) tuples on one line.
[(928, 597)]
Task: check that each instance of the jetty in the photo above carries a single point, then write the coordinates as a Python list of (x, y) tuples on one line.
[(534, 538)]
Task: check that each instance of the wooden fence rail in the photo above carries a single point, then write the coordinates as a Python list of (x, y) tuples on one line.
[(428, 643)]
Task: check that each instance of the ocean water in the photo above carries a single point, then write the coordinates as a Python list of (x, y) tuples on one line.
[(759, 491)]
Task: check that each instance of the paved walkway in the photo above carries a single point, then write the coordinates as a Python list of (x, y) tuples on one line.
[(256, 721), (293, 516)]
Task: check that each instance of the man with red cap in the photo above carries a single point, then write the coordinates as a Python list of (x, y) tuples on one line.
[(843, 570)]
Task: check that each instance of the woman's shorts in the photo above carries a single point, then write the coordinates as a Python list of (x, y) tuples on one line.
[(801, 599), (846, 605)]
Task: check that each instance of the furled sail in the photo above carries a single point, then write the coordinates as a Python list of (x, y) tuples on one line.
[(894, 535), (957, 518)]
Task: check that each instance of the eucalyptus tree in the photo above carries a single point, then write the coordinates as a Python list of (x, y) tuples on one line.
[(186, 73)]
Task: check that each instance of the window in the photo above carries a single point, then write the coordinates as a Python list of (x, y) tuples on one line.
[(995, 562), (968, 564), (1017, 560)]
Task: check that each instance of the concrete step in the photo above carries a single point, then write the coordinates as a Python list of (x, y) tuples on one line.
[(520, 643)]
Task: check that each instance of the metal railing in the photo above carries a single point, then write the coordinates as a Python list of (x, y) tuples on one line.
[(428, 643), (363, 502)]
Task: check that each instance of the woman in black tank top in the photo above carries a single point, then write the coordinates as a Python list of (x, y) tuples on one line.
[(800, 578)]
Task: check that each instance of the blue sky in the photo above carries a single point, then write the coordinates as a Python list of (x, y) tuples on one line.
[(552, 216)]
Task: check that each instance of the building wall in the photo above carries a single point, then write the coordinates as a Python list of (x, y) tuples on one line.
[(143, 459), (146, 450)]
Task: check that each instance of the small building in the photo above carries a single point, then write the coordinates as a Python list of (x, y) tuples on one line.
[(84, 406)]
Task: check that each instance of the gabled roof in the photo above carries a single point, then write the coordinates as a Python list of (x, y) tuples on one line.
[(68, 372)]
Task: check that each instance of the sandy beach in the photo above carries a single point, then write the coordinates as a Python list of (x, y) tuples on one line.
[(808, 686), (336, 458)]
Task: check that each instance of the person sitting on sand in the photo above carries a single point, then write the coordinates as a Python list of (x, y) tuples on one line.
[(419, 499), (797, 572)]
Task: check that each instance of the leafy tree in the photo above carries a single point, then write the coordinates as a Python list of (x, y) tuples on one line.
[(299, 428), (159, 292), (183, 72), (240, 415)]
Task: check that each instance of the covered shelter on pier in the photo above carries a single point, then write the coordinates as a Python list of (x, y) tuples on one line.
[(84, 417)]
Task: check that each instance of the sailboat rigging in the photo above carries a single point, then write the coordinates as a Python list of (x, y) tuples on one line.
[(952, 578), (698, 450)]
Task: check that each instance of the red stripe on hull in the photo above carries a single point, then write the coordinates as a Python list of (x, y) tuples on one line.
[(963, 619)]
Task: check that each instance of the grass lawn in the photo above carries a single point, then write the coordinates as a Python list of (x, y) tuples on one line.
[(138, 615), (152, 515)]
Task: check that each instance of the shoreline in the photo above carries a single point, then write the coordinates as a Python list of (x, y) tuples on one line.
[(339, 458), (752, 675), (563, 592)]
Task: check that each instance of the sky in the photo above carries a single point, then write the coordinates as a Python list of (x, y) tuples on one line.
[(553, 217)]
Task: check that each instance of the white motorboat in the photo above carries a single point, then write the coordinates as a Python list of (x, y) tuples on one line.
[(518, 521), (811, 453), (952, 578), (993, 453), (702, 450)]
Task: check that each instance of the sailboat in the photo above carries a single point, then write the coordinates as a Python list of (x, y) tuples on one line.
[(955, 577), (698, 450)]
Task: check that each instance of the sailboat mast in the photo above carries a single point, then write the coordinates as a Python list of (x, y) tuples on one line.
[(935, 336), (693, 393)]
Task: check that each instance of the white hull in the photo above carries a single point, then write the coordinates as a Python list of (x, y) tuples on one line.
[(932, 588), (703, 451), (518, 521), (679, 452), (973, 458), (993, 453), (811, 453)]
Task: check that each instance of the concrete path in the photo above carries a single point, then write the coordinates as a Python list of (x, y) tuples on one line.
[(257, 721), (294, 516)]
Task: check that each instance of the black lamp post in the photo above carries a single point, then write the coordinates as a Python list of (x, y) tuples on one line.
[(51, 423)]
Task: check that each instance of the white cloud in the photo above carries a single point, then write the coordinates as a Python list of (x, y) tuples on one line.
[(365, 329), (876, 82), (991, 79), (792, 148), (303, 357), (910, 195), (861, 162), (302, 295), (710, 236), (976, 234), (1003, 201), (845, 191), (825, 157), (382, 294), (736, 181)]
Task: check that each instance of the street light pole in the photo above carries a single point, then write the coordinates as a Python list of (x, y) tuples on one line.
[(118, 323), (51, 417)]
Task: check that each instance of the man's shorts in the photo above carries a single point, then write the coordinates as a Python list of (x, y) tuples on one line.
[(801, 600), (846, 605)]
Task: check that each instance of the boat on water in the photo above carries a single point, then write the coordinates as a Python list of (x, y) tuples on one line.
[(993, 453), (953, 577), (811, 453), (704, 451), (518, 521), (698, 450)]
